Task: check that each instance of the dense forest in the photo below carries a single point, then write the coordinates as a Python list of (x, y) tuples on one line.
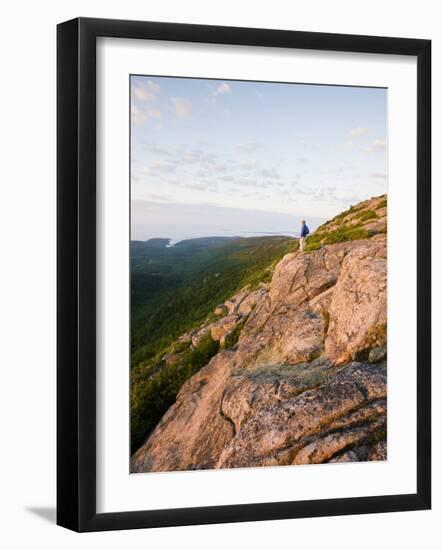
[(174, 289)]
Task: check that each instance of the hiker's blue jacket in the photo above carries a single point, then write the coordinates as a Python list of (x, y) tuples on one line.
[(304, 230)]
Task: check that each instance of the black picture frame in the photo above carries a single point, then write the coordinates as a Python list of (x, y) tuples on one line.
[(76, 273)]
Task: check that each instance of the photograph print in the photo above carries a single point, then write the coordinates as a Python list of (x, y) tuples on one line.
[(258, 262)]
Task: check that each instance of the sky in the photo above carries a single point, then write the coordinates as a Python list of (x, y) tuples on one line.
[(222, 157)]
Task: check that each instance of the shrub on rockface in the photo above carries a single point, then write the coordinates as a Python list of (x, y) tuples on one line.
[(341, 234), (346, 233), (154, 388), (366, 215)]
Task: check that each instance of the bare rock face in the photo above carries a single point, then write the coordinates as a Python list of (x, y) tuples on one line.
[(235, 301), (306, 381), (377, 226), (247, 305), (194, 430), (331, 302), (382, 212), (311, 413), (358, 309), (378, 452), (346, 410), (231, 313)]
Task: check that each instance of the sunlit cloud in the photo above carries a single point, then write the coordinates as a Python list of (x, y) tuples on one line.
[(376, 146), (222, 89), (182, 106), (154, 113), (136, 115), (140, 115), (147, 91), (357, 132)]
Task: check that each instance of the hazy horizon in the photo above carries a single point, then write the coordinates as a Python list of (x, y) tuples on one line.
[(196, 221)]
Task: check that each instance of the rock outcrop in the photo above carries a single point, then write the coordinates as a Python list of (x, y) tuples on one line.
[(304, 381)]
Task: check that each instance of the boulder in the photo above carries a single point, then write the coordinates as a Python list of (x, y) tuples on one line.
[(221, 310), (376, 226), (348, 456), (185, 338), (220, 329), (247, 305), (358, 309), (233, 303), (377, 354)]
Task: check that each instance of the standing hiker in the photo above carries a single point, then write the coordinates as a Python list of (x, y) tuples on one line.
[(304, 232)]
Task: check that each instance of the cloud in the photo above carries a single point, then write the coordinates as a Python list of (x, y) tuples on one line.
[(271, 184), (201, 186), (246, 182), (182, 106), (153, 147), (249, 146), (248, 165), (203, 159), (140, 94), (154, 113), (357, 132), (195, 155), (249, 181), (160, 167), (222, 89), (269, 173), (202, 174), (376, 146), (146, 90), (346, 145), (159, 197), (137, 116)]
